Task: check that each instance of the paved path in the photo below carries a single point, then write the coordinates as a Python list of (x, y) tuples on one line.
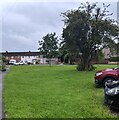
[(0, 95), (2, 76)]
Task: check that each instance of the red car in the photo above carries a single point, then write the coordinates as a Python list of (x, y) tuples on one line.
[(103, 77)]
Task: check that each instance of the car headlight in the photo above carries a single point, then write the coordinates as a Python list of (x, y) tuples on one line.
[(113, 91), (100, 73)]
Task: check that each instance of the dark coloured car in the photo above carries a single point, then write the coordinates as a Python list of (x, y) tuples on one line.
[(112, 94), (103, 77)]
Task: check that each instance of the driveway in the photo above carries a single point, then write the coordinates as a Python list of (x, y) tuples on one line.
[(2, 76)]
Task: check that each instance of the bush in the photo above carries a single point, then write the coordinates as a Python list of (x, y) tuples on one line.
[(114, 59), (79, 67), (3, 67), (2, 63)]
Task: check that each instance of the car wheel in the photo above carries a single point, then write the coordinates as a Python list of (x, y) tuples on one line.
[(108, 81)]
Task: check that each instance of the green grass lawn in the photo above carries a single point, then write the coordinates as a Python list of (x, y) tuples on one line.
[(53, 92)]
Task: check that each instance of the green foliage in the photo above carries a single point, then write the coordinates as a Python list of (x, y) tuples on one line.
[(3, 67), (79, 67), (4, 59), (64, 54), (99, 55), (49, 45), (56, 92), (114, 59), (114, 48), (2, 63), (87, 30)]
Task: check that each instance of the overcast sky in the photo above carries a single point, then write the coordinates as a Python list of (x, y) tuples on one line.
[(25, 23)]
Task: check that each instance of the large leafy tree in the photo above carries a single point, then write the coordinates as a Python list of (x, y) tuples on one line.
[(65, 55), (49, 46), (86, 30)]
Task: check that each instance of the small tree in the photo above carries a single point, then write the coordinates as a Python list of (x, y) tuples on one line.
[(49, 46)]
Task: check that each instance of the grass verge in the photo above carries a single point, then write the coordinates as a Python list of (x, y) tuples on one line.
[(53, 92)]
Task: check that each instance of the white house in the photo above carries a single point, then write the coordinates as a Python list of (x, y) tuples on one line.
[(30, 57)]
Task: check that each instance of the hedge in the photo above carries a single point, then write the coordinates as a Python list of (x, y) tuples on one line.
[(114, 59)]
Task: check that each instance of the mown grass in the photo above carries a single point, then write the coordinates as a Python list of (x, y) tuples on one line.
[(53, 92)]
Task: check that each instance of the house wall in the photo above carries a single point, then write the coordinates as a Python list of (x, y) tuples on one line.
[(17, 58), (29, 58), (43, 60), (107, 53)]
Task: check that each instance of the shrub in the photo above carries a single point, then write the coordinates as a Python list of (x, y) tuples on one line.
[(114, 59), (78, 67), (2, 63), (3, 67)]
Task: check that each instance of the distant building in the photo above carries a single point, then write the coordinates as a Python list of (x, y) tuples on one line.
[(30, 57), (106, 52), (108, 55)]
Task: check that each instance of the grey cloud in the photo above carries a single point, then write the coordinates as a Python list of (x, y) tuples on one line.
[(23, 24)]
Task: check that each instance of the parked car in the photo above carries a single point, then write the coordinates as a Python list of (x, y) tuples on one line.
[(12, 62), (111, 92), (103, 77), (20, 63), (29, 62), (17, 63)]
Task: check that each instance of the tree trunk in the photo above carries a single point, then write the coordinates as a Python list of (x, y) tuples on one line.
[(50, 62), (85, 64)]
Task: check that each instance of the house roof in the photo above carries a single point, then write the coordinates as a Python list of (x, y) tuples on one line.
[(20, 53)]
